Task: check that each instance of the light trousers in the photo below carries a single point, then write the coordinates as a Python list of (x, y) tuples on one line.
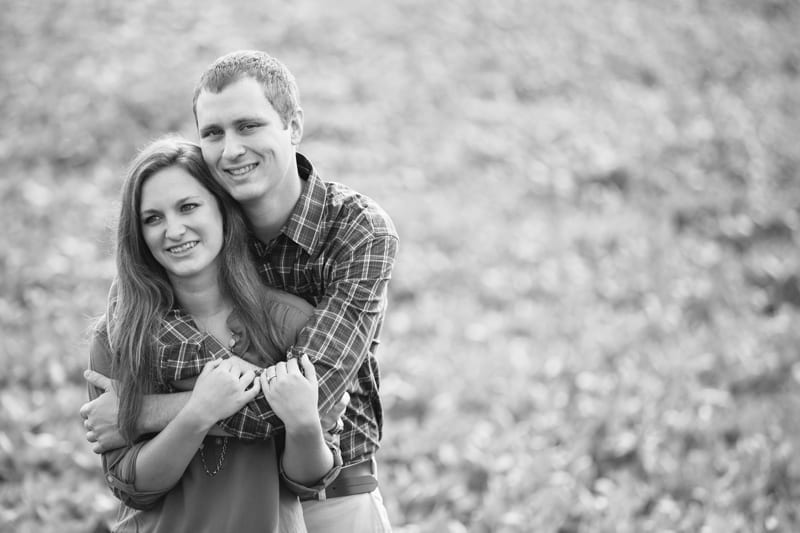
[(360, 513)]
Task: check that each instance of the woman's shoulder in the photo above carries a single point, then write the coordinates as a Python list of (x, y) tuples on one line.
[(100, 352), (285, 302), (289, 314)]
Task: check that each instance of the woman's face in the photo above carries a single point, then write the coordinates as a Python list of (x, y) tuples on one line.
[(181, 223)]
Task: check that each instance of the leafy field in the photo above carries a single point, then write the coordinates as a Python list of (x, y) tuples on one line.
[(593, 321)]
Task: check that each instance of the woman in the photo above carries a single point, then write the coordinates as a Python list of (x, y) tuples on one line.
[(182, 251)]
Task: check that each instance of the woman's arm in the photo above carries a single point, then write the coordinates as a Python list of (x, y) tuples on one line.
[(293, 396), (119, 461), (220, 391)]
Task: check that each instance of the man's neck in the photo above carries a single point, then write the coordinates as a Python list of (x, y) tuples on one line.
[(267, 215)]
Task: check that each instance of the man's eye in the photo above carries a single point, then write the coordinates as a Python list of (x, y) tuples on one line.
[(210, 133)]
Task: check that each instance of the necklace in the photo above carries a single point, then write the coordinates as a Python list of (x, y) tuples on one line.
[(226, 336), (220, 459)]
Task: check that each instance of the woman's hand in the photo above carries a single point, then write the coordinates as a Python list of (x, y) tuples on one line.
[(187, 384), (292, 395), (221, 390), (242, 364)]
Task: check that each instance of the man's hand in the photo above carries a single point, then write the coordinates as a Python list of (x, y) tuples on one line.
[(100, 415), (332, 420)]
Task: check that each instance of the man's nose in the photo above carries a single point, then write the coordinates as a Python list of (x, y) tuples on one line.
[(233, 147)]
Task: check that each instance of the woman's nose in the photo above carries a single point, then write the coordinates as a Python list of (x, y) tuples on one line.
[(175, 230)]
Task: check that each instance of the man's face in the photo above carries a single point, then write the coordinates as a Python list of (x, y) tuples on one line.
[(244, 141)]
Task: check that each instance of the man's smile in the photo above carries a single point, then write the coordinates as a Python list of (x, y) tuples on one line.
[(240, 171)]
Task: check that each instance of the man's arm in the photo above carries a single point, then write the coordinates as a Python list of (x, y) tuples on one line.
[(119, 463), (157, 411), (101, 413), (220, 391), (345, 321), (250, 422), (140, 474), (255, 420)]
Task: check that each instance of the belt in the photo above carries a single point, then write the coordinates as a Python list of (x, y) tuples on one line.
[(359, 478)]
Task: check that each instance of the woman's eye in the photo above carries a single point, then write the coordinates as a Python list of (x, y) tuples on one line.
[(188, 207), (150, 220)]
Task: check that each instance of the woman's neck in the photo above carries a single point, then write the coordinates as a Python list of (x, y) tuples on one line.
[(199, 299)]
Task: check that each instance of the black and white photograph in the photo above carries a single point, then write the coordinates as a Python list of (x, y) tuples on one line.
[(404, 266)]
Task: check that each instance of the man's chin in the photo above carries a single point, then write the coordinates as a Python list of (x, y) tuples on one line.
[(244, 193)]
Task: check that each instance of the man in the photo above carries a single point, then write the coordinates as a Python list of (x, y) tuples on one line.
[(317, 239)]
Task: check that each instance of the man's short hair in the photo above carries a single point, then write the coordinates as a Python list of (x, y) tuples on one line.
[(280, 87)]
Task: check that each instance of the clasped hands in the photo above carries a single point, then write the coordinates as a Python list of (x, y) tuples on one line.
[(222, 388)]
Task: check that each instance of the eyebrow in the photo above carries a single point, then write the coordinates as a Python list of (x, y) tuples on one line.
[(236, 122)]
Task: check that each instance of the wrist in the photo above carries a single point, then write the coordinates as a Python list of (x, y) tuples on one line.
[(158, 410), (304, 429), (195, 418)]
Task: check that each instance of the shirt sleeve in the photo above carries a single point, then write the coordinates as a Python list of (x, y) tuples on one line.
[(313, 491), (186, 358), (119, 465), (345, 321), (256, 420)]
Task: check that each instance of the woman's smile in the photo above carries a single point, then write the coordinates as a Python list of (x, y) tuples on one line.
[(181, 248), (181, 223)]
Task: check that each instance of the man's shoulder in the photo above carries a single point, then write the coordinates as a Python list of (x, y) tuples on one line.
[(352, 209)]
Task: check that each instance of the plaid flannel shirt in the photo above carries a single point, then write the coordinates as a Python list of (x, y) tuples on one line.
[(337, 251), (183, 350)]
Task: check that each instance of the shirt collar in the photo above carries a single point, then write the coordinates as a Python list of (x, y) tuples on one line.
[(305, 223), (177, 329)]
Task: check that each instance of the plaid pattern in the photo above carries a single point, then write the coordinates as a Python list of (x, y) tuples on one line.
[(337, 252), (183, 351)]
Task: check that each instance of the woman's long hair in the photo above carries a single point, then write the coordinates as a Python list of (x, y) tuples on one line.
[(143, 292)]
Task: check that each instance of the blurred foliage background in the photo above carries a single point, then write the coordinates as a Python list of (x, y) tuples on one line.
[(593, 321)]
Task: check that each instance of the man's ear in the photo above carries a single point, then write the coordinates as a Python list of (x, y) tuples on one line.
[(296, 126)]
